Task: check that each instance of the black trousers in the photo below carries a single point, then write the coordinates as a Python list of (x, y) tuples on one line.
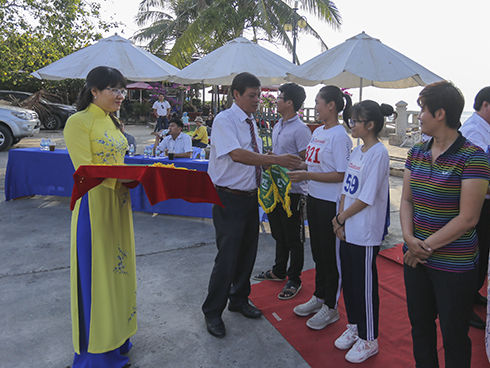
[(286, 231), (483, 232), (360, 285), (237, 235), (198, 144), (162, 123), (324, 248), (449, 295)]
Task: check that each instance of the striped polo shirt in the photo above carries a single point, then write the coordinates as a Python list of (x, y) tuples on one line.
[(436, 191)]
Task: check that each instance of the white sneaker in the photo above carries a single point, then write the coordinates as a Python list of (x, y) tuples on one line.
[(362, 350), (348, 338), (323, 318), (311, 306)]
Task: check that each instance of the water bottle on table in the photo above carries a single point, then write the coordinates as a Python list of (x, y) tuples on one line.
[(202, 154), (131, 150)]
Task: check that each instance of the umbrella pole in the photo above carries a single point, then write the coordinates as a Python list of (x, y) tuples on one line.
[(360, 99), (360, 91)]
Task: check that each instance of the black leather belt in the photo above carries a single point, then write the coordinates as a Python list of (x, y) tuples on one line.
[(245, 193)]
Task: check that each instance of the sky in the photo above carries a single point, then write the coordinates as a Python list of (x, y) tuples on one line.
[(448, 38)]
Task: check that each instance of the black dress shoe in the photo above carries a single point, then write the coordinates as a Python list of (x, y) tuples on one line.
[(480, 300), (246, 310), (476, 321), (215, 326)]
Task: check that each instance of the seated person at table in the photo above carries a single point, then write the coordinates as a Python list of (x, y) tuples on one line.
[(176, 141), (200, 136)]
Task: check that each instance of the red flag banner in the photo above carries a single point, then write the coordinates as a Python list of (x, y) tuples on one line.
[(160, 183)]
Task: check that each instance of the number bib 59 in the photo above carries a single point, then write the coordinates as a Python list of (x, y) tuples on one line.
[(352, 180), (314, 151)]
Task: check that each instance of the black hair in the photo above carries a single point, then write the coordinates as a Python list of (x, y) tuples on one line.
[(100, 77), (177, 122), (335, 94), (243, 81), (481, 97), (369, 110), (295, 93), (443, 95)]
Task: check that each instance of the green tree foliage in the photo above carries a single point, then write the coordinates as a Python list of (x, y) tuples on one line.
[(180, 30), (35, 33)]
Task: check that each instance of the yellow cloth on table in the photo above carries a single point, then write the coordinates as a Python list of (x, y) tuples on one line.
[(274, 188), (92, 138)]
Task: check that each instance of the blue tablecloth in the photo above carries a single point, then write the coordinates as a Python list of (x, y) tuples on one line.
[(31, 171)]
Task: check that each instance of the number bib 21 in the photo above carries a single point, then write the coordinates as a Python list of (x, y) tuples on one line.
[(352, 180)]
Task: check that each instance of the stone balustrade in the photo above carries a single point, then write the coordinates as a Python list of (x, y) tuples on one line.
[(407, 128)]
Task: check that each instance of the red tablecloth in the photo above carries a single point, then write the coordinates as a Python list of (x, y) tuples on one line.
[(160, 183)]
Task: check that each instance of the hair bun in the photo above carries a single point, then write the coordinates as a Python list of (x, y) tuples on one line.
[(387, 110)]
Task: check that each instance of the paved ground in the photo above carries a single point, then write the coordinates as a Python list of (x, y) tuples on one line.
[(174, 260)]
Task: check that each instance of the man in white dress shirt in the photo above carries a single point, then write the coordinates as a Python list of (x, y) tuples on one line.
[(235, 168), (477, 130), (177, 142)]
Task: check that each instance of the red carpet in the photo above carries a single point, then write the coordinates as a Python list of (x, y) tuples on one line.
[(395, 343)]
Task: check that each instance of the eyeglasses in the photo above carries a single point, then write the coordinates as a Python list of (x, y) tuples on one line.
[(117, 91), (280, 98), (353, 122)]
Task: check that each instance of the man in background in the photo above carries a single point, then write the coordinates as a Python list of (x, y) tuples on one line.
[(177, 142), (161, 109), (477, 130)]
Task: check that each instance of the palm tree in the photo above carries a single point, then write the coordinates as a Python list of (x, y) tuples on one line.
[(187, 29)]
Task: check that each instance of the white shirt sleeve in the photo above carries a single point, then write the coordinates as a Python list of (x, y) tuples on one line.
[(224, 140), (163, 144), (341, 149), (187, 143), (474, 136), (374, 173)]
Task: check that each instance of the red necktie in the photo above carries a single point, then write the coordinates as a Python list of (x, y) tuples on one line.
[(258, 169)]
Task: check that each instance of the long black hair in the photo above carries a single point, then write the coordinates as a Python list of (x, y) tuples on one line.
[(335, 94), (100, 77)]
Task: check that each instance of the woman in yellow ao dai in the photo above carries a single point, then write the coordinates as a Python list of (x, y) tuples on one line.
[(103, 266)]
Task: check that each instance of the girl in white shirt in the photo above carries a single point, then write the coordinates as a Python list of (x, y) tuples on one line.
[(360, 225), (326, 160)]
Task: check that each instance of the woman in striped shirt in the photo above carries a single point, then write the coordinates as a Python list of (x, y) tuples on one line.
[(444, 186)]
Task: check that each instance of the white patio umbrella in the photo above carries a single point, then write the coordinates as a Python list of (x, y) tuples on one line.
[(134, 63), (362, 61), (220, 66)]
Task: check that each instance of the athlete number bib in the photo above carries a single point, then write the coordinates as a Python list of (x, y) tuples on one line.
[(314, 151), (352, 180)]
